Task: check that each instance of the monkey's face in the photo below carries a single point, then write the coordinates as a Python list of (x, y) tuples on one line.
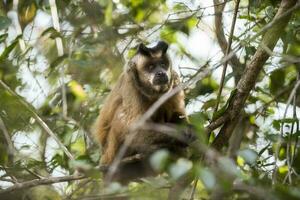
[(152, 69), (156, 73)]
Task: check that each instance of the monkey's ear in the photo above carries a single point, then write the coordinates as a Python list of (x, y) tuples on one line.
[(142, 49), (162, 46)]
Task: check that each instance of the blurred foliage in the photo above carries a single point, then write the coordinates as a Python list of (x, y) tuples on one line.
[(98, 37)]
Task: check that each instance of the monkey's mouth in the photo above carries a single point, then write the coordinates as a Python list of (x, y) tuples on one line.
[(160, 81), (161, 88)]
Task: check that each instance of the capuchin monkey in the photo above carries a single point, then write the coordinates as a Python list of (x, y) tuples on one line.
[(148, 75)]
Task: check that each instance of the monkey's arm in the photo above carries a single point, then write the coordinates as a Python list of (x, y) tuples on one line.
[(176, 104), (102, 125)]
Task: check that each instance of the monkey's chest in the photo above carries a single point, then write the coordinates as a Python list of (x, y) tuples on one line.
[(162, 116)]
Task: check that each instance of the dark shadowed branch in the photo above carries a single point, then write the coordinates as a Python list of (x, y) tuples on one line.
[(248, 79)]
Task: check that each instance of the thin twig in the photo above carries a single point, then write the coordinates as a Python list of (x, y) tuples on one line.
[(281, 130), (10, 145), (43, 181), (227, 52), (60, 51), (193, 190), (38, 119)]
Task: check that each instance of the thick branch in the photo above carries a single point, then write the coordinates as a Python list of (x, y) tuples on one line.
[(248, 79)]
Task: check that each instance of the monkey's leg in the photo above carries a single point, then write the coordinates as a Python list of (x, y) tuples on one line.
[(111, 150)]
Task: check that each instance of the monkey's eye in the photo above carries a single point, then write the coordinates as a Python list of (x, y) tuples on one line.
[(150, 67), (163, 65)]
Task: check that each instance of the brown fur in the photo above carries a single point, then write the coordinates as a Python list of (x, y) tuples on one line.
[(128, 101)]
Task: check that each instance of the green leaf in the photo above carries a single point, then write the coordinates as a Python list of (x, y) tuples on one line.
[(8, 49), (277, 80), (52, 32), (80, 164), (159, 160), (283, 169), (26, 12), (114, 187), (181, 167), (220, 112), (58, 60), (249, 155), (4, 22), (79, 146), (286, 121), (3, 37), (108, 13), (207, 178), (228, 166), (276, 125)]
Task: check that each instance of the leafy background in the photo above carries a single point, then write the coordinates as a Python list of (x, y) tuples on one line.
[(65, 88)]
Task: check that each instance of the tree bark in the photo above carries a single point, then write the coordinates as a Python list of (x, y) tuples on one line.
[(249, 77)]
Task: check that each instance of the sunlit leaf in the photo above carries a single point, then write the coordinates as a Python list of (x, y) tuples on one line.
[(108, 13), (282, 153), (283, 169), (79, 146), (240, 161), (77, 90)]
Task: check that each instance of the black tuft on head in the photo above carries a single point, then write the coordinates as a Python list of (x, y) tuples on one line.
[(161, 46), (142, 49)]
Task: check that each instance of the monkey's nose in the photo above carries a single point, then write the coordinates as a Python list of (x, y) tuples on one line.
[(161, 78), (160, 74)]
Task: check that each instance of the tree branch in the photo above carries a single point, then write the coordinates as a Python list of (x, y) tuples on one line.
[(237, 66), (60, 51), (38, 119), (51, 180), (10, 145), (43, 181), (228, 49), (248, 79)]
